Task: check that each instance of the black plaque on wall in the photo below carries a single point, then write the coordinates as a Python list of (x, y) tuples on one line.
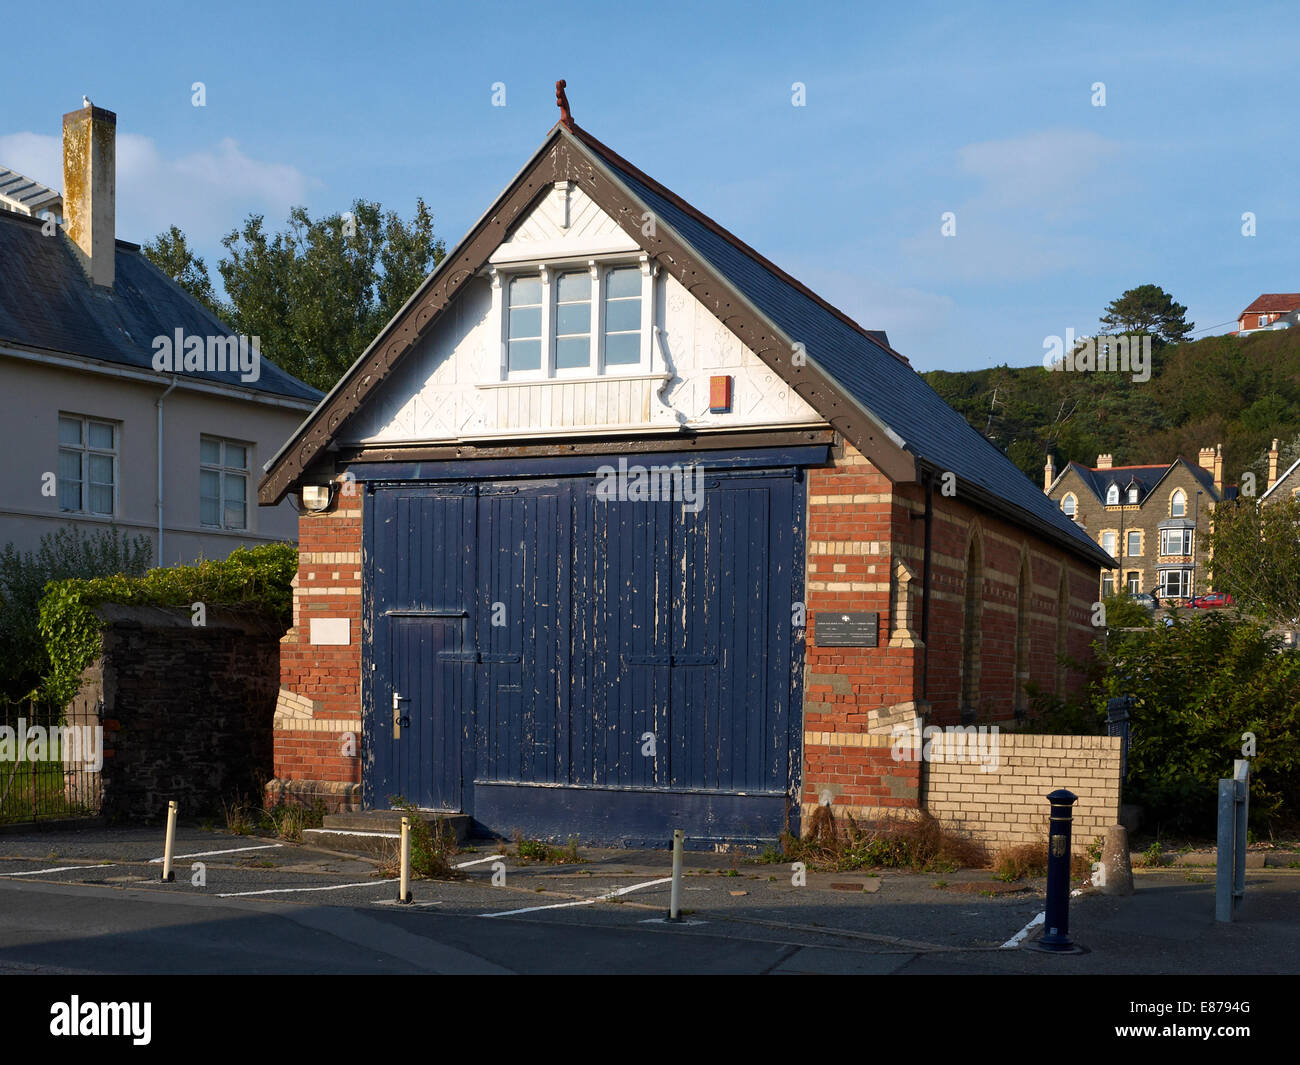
[(854, 629)]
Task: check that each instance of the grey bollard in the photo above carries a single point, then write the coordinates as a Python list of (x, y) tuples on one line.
[(1117, 872)]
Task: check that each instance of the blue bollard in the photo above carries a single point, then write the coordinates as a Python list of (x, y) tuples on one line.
[(1056, 935)]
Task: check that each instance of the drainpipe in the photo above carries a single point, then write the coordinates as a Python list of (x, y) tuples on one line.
[(158, 403), (928, 478)]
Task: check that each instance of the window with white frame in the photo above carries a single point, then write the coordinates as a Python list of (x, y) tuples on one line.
[(1134, 582), (574, 319), (223, 483), (1133, 494), (1175, 541), (1175, 583), (1108, 542), (87, 465), (1112, 496), (1178, 504), (1134, 545), (1107, 585), (1069, 506)]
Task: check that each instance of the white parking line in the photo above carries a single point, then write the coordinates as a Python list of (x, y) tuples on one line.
[(289, 890), (205, 854), (582, 902), (1014, 941), (480, 861), (57, 869)]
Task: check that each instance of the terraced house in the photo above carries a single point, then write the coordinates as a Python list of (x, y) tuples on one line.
[(1152, 520), (496, 614)]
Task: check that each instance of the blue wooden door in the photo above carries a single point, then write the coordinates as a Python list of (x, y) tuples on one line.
[(612, 669), (421, 545)]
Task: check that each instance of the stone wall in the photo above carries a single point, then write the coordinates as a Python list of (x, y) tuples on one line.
[(187, 710)]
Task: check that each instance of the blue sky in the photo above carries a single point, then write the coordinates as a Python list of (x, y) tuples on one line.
[(911, 111)]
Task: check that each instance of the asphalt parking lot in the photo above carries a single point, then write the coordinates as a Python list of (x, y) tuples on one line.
[(93, 901)]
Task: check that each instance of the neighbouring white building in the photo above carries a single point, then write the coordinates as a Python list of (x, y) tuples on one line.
[(96, 436)]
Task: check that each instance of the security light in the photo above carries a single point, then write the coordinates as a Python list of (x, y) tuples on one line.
[(316, 497)]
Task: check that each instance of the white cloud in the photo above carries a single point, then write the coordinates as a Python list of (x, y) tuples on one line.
[(1034, 213), (206, 193)]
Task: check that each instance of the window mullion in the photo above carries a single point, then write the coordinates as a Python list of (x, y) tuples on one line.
[(548, 322)]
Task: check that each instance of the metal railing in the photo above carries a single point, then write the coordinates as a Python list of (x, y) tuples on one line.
[(50, 765)]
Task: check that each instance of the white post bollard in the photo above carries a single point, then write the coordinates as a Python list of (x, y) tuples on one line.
[(675, 904), (167, 874), (403, 893)]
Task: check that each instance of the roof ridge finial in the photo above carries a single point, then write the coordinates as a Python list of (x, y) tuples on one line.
[(562, 102)]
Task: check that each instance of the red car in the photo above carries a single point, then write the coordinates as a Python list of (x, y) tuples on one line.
[(1211, 601)]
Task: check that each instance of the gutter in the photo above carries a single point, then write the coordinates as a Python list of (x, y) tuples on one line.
[(152, 377), (159, 404)]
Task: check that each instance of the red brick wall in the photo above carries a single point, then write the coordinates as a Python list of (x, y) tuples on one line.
[(859, 528)]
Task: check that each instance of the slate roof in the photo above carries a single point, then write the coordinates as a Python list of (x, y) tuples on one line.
[(48, 304), (1281, 302), (1147, 477), (876, 376)]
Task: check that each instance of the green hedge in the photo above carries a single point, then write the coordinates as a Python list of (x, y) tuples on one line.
[(258, 578)]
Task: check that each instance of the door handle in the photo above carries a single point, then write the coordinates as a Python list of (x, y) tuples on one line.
[(399, 720)]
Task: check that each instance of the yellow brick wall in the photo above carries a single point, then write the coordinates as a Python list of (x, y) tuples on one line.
[(1008, 805)]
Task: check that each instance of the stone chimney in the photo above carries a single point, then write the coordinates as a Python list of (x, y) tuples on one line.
[(90, 188), (1205, 457), (1272, 465), (1049, 474), (1218, 469), (1105, 462)]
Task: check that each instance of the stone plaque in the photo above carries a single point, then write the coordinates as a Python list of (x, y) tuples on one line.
[(855, 629)]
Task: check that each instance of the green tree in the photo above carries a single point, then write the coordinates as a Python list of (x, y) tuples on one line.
[(171, 253), (1147, 309), (1256, 551), (318, 292)]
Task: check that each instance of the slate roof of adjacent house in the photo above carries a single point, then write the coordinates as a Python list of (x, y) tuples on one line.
[(47, 304), (19, 192), (859, 362), (1146, 477), (1271, 302), (876, 376), (1290, 470)]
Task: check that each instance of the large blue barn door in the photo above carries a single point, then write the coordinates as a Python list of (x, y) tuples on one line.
[(571, 664)]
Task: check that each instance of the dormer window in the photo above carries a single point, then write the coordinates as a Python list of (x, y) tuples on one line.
[(574, 319), (1133, 494), (1112, 496)]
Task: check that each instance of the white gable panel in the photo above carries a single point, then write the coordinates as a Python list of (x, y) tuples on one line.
[(566, 222), (449, 386)]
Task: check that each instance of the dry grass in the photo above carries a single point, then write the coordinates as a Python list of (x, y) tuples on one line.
[(920, 843), (1030, 860)]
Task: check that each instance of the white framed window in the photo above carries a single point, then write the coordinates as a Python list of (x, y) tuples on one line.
[(1175, 583), (1107, 585), (575, 319), (1112, 496), (1133, 494), (223, 483), (1069, 505), (1178, 504), (1133, 546), (1108, 542), (1176, 541), (87, 465), (1134, 582)]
